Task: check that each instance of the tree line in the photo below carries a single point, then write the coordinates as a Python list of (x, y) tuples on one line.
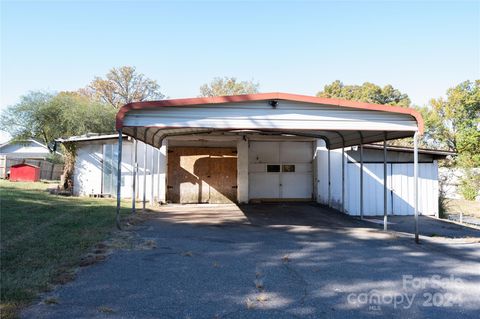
[(451, 123)]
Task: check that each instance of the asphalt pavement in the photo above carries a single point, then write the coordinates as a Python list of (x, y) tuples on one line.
[(273, 261)]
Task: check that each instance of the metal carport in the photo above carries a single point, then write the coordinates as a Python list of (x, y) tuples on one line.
[(339, 123)]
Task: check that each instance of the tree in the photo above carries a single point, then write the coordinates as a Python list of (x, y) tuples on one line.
[(47, 117), (30, 118), (454, 122), (367, 92), (123, 85), (228, 86)]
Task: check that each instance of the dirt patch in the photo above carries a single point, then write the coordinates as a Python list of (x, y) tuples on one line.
[(466, 207)]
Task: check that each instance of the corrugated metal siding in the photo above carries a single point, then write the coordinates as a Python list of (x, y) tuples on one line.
[(400, 184), (254, 115), (88, 170)]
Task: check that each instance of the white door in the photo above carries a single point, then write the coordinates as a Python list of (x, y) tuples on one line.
[(280, 170)]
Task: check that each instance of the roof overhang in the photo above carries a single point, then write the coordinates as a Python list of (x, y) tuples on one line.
[(88, 138), (438, 154), (339, 122)]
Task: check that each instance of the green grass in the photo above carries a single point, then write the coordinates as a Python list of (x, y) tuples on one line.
[(43, 236)]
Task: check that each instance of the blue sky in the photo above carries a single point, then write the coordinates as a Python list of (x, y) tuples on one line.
[(421, 48)]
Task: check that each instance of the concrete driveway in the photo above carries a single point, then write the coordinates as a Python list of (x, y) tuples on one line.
[(273, 261)]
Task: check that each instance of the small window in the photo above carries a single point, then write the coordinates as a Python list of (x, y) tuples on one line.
[(289, 168), (273, 168)]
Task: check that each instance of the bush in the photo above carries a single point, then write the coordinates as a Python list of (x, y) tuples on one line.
[(470, 184)]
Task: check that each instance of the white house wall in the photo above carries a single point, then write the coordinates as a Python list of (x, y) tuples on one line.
[(27, 149)]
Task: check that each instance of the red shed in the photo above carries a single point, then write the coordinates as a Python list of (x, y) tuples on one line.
[(24, 173)]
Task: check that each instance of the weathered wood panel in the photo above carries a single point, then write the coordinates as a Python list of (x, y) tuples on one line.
[(202, 175)]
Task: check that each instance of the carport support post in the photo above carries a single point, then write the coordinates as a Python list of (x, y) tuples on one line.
[(361, 175), (384, 181), (343, 177), (415, 176), (160, 143), (134, 176), (159, 189), (144, 178), (119, 178), (158, 175)]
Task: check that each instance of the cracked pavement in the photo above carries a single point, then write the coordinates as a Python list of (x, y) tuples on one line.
[(269, 261)]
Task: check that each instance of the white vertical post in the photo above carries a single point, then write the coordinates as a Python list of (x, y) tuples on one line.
[(144, 178), (119, 179), (162, 187), (361, 176), (158, 172), (134, 176), (384, 181), (415, 176), (159, 196), (343, 178), (329, 182)]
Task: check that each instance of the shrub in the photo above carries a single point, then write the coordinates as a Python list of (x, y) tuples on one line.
[(470, 184)]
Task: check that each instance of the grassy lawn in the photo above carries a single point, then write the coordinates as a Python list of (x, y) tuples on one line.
[(43, 236)]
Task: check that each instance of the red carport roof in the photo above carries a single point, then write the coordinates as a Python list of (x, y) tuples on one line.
[(147, 105)]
